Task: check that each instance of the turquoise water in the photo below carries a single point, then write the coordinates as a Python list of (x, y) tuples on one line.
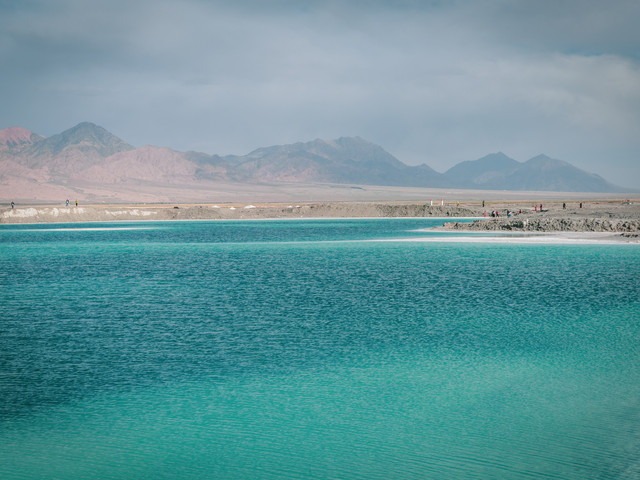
[(307, 349)]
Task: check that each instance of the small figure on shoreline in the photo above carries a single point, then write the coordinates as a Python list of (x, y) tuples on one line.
[(67, 202), (12, 205), (76, 203), (564, 206), (580, 204)]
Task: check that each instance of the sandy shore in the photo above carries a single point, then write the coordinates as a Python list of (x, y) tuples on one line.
[(613, 220)]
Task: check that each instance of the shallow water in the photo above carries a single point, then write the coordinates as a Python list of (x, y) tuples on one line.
[(303, 349)]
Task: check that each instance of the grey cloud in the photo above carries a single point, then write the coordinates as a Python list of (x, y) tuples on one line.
[(588, 27)]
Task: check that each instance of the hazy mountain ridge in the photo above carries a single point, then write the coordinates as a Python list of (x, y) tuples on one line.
[(90, 155), (345, 160), (499, 172)]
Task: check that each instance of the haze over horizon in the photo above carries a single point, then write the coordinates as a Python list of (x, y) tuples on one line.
[(431, 82)]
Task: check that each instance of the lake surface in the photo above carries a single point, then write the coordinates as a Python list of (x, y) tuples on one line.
[(312, 349)]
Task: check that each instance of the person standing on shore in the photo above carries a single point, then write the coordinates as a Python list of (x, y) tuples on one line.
[(76, 203), (67, 202), (12, 205)]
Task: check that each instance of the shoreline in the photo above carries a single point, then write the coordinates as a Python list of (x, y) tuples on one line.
[(618, 221)]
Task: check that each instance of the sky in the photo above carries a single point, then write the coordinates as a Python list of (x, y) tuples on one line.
[(433, 81)]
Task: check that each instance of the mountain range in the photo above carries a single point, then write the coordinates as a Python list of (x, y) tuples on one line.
[(90, 162)]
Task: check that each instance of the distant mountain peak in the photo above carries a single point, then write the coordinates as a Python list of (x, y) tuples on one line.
[(354, 140), (90, 131), (86, 136), (85, 125), (496, 171), (88, 154), (545, 162)]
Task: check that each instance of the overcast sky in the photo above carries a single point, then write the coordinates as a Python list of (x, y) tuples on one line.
[(434, 82)]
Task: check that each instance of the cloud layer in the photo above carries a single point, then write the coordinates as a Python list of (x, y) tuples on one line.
[(435, 82)]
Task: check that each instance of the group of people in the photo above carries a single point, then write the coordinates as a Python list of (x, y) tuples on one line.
[(536, 208), (68, 202), (496, 213)]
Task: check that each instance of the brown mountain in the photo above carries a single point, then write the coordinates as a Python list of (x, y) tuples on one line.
[(345, 160), (89, 163)]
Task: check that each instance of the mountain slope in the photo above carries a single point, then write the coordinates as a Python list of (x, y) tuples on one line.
[(146, 164), (345, 160)]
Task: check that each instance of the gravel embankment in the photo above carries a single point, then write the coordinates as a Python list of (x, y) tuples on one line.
[(102, 213), (549, 225)]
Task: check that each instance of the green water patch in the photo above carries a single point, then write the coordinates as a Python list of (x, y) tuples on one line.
[(395, 414), (301, 353)]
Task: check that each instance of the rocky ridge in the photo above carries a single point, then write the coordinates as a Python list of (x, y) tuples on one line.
[(587, 217), (549, 225)]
